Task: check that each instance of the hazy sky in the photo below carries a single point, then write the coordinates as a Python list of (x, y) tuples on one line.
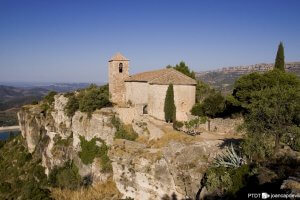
[(71, 41)]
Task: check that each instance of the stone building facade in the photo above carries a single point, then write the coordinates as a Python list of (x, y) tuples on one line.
[(118, 72), (146, 91)]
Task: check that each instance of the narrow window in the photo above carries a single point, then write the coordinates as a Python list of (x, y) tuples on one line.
[(145, 109), (120, 67)]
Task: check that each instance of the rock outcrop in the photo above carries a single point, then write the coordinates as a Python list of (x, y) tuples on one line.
[(160, 162), (42, 131)]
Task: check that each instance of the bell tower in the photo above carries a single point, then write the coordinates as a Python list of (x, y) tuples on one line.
[(118, 71)]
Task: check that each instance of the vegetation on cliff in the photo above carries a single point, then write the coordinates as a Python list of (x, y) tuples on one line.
[(88, 100), (123, 131), (90, 150), (21, 174)]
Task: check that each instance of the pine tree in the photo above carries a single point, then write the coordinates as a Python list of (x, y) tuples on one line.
[(279, 62), (169, 107)]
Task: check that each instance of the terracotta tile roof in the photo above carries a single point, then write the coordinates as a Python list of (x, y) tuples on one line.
[(162, 77), (118, 56)]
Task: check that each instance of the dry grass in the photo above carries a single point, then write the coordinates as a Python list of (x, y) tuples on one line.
[(100, 191), (171, 135)]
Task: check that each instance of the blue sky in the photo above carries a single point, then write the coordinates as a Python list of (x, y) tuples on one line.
[(72, 40)]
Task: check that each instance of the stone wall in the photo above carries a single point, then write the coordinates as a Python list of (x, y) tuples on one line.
[(156, 99), (184, 96), (127, 115), (137, 92), (223, 126), (116, 81)]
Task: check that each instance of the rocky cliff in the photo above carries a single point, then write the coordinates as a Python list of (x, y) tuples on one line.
[(159, 162)]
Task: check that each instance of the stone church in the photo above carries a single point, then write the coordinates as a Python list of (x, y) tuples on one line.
[(145, 92)]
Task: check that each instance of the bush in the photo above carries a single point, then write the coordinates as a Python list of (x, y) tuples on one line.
[(48, 101), (72, 106), (257, 147), (227, 181), (93, 98), (23, 172), (89, 151), (49, 98), (177, 125), (198, 110), (32, 191), (212, 106), (65, 177), (88, 100), (123, 132), (203, 90)]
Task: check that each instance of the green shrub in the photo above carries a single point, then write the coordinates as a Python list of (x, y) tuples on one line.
[(88, 100), (49, 98), (123, 132), (48, 101), (72, 106), (32, 191), (257, 147), (89, 151), (177, 125), (105, 161), (227, 181), (65, 177), (5, 187), (198, 110), (23, 172), (58, 141), (93, 98)]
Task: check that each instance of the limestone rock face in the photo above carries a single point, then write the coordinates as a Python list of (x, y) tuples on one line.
[(152, 173), (160, 162), (42, 130)]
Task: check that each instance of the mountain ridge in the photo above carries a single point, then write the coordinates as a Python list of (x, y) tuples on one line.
[(224, 78)]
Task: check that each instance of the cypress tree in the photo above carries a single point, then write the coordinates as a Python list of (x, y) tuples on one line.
[(279, 62), (169, 107)]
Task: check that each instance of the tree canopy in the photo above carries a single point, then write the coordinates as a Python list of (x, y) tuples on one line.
[(183, 68), (272, 101)]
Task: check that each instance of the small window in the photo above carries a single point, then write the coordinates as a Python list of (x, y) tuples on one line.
[(145, 109), (120, 67)]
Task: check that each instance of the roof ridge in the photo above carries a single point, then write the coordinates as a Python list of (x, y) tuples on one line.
[(156, 70), (182, 74)]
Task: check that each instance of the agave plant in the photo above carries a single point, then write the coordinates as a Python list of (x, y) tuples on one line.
[(229, 158)]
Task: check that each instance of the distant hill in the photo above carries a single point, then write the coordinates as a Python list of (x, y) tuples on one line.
[(12, 97), (224, 78)]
